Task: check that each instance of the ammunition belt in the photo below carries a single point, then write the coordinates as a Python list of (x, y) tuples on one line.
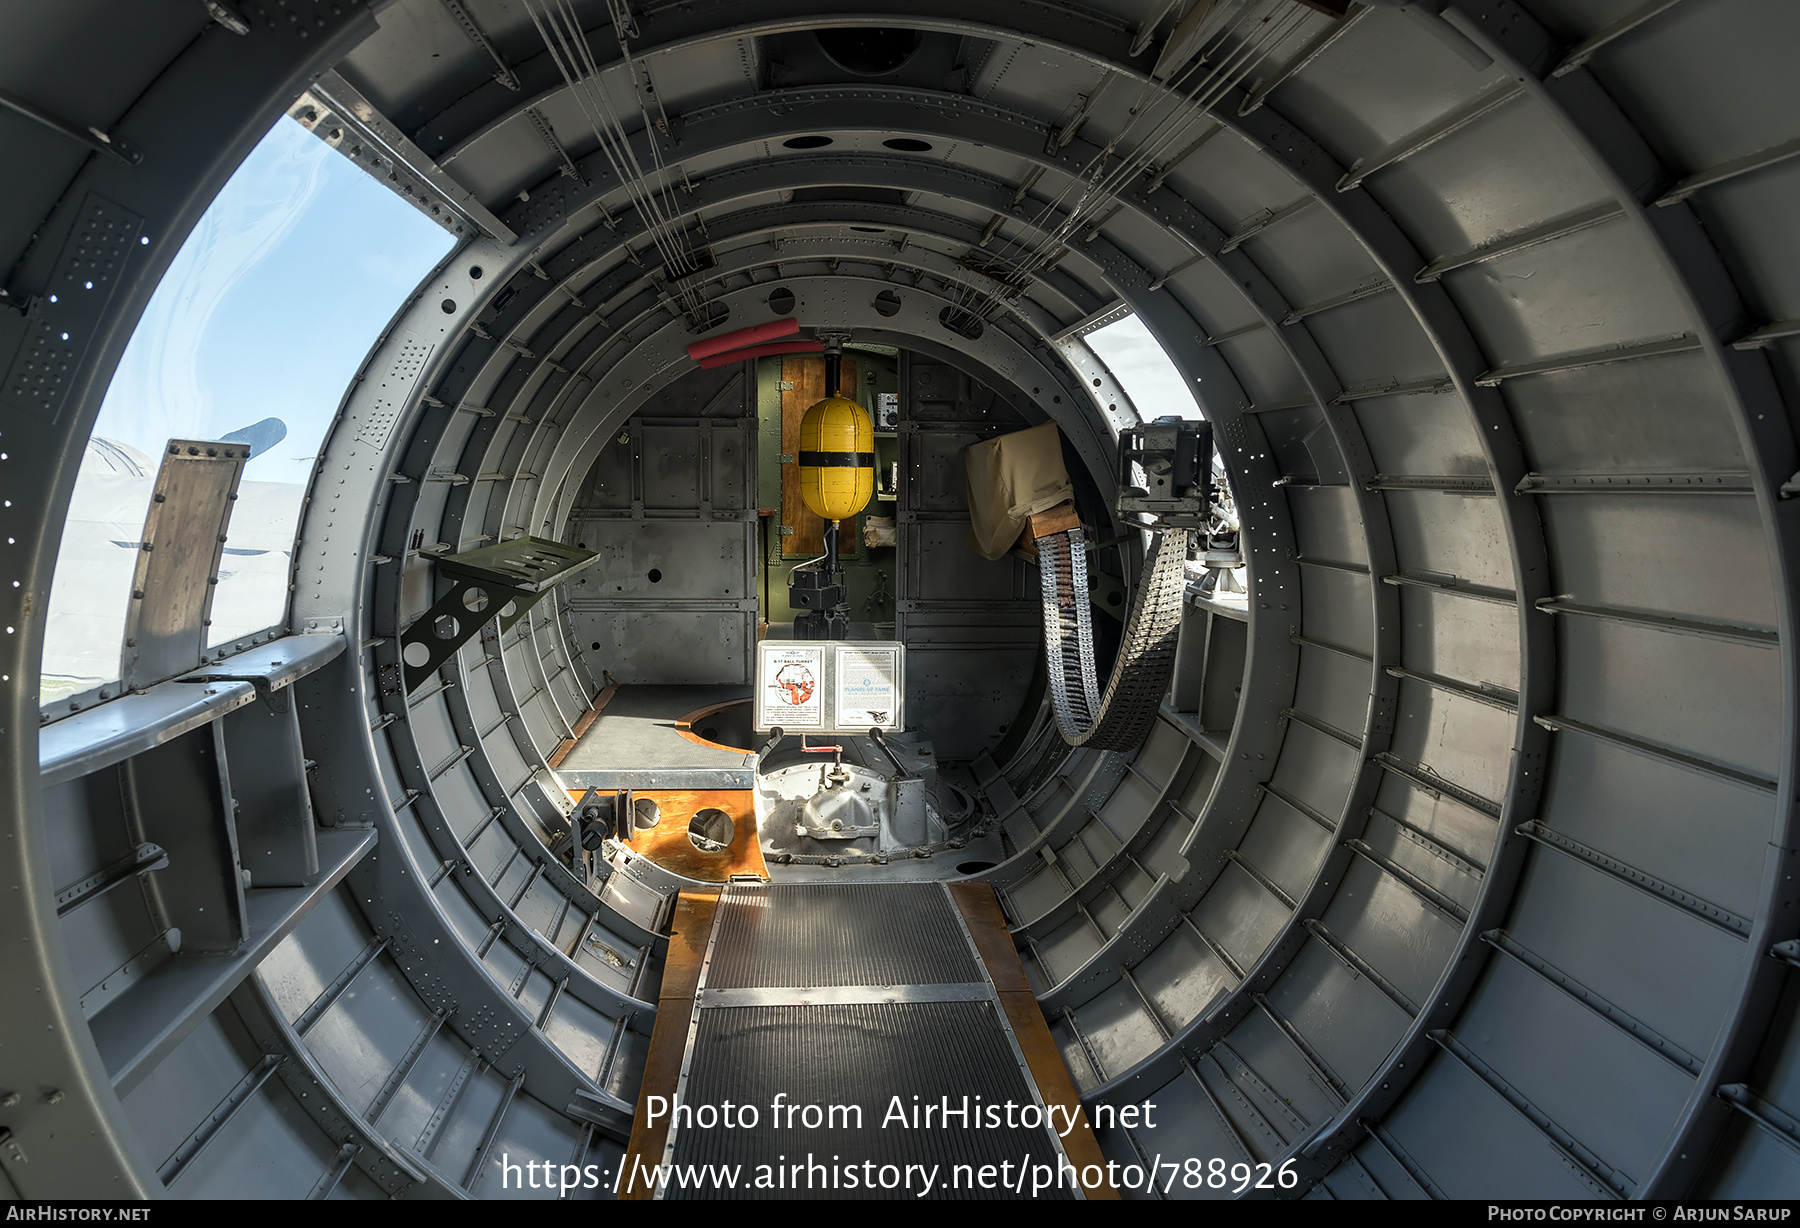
[(1121, 718)]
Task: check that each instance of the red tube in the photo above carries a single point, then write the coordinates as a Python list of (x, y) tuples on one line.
[(762, 351), (744, 336)]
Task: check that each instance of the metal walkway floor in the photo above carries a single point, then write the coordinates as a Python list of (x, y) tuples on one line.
[(846, 1019)]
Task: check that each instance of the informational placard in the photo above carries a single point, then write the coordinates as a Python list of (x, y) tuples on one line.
[(830, 686), (790, 686), (867, 686)]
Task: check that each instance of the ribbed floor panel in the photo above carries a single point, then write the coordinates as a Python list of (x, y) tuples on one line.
[(816, 935), (915, 1053)]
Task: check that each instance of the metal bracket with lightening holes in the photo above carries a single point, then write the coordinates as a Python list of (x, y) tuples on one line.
[(506, 579)]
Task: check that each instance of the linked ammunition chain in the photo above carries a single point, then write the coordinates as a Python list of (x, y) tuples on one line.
[(1121, 719)]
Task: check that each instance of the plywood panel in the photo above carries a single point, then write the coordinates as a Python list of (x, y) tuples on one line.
[(667, 843)]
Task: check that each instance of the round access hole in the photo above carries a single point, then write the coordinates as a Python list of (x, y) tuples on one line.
[(781, 300), (645, 814), (888, 304), (973, 867), (655, 575), (711, 830)]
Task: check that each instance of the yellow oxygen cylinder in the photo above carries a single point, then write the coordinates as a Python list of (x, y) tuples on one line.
[(837, 458)]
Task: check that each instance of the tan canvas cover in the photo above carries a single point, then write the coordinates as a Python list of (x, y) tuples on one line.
[(1010, 478)]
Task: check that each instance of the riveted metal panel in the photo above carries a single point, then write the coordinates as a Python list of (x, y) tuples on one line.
[(1130, 803), (1336, 608), (531, 1130), (411, 1105), (1315, 768), (664, 560), (963, 711), (1310, 258), (674, 647), (1421, 435), (490, 853), (1560, 1078), (177, 565), (1262, 1121), (61, 329), (1453, 637), (461, 801), (534, 994), (1752, 1161), (1608, 550), (1161, 853), (461, 912), (453, 1148), (1183, 1111), (1374, 340), (541, 907), (1464, 831), (1396, 932), (418, 842), (1262, 1052), (1182, 977), (1344, 99), (1597, 929), (1656, 415), (1732, 62), (1240, 915), (1472, 1144), (1697, 833), (1634, 679), (1287, 432), (1587, 291), (1451, 536), (1459, 739), (1762, 249), (1345, 1019), (364, 1032), (1067, 948), (432, 732), (1119, 1031), (1426, 860), (1459, 194), (581, 1032), (300, 967), (1328, 526), (1285, 845), (270, 1148), (1265, 369), (1334, 688)]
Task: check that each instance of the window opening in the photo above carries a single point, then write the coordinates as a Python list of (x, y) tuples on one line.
[(251, 337)]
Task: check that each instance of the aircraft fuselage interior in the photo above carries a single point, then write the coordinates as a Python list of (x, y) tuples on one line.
[(1204, 583)]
